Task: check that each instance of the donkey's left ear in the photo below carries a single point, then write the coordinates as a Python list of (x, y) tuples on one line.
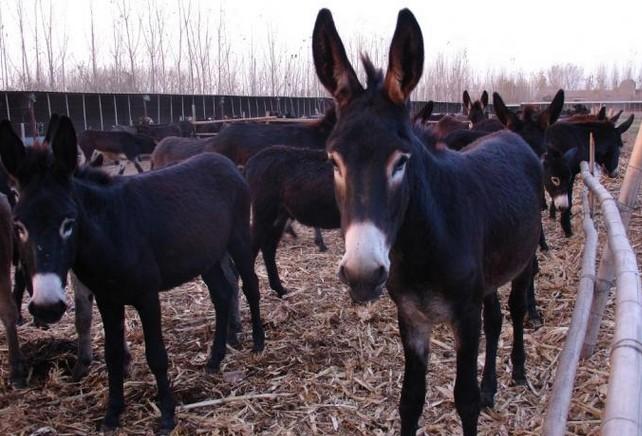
[(12, 150), (406, 58), (51, 128), (625, 125), (64, 147)]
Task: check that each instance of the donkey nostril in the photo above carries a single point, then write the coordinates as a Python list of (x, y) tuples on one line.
[(381, 275)]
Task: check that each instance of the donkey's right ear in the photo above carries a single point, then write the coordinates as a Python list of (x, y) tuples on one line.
[(505, 115), (331, 61), (51, 128), (12, 150)]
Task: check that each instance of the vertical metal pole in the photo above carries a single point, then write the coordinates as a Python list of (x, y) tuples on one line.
[(67, 104), (84, 111), (100, 111), (6, 102), (49, 105), (129, 109), (115, 111)]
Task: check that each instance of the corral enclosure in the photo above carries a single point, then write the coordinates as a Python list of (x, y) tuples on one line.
[(329, 367)]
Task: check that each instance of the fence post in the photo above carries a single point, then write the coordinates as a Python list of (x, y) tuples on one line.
[(606, 271)]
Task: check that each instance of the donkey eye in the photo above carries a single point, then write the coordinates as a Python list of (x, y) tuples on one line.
[(21, 230), (400, 164), (67, 227), (555, 181)]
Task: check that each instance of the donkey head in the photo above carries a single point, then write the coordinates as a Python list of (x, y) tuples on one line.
[(370, 148), (45, 215), (532, 123), (475, 110)]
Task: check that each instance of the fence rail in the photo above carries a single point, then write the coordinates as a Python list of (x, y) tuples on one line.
[(623, 412)]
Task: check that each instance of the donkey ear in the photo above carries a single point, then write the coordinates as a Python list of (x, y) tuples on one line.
[(51, 128), (64, 147), (616, 117), (601, 115), (467, 102), (12, 150), (484, 99), (625, 125), (553, 111), (505, 115), (424, 114), (333, 67), (406, 58)]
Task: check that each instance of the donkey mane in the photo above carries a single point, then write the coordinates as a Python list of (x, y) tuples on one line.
[(95, 175), (374, 75)]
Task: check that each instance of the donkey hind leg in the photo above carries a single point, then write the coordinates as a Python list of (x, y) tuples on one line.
[(156, 354), (221, 293), (492, 330), (289, 229), (517, 305), (542, 238), (467, 328), (240, 249), (232, 276), (415, 330), (318, 240), (9, 317), (83, 300), (534, 320), (269, 245), (113, 316)]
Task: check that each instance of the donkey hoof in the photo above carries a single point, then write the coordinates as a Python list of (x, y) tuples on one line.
[(19, 382), (322, 248), (259, 342), (534, 322), (487, 400), (166, 427), (280, 292), (110, 424), (212, 368), (520, 380), (543, 246), (233, 340), (20, 320), (79, 371)]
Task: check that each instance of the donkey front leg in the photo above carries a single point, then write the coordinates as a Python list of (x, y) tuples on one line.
[(9, 317), (492, 330), (113, 316), (150, 316), (415, 330), (467, 328), (318, 240), (83, 299)]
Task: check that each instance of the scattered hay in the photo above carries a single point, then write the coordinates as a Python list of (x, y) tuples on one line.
[(329, 367)]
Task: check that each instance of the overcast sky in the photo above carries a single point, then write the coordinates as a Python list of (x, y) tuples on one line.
[(496, 33)]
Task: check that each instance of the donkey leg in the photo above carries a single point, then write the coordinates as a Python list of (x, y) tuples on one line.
[(136, 162), (517, 306), (241, 252), (83, 300), (467, 328), (492, 330), (542, 238), (9, 317), (150, 316), (232, 276), (565, 219), (268, 248), (19, 286), (534, 317), (221, 293), (113, 316), (415, 331), (552, 211), (318, 240)]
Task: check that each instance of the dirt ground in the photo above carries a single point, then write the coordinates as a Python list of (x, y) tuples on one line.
[(328, 367)]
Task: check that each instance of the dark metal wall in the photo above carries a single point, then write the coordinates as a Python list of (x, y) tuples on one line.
[(102, 111)]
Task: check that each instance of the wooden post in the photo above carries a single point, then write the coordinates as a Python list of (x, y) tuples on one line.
[(557, 411), (592, 169), (606, 270), (623, 413)]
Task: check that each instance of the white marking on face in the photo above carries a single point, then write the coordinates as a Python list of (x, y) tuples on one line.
[(23, 234), (396, 167), (47, 289), (555, 181), (366, 249), (561, 201), (66, 228)]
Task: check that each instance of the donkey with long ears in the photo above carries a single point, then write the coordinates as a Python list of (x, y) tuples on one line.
[(127, 239), (430, 225)]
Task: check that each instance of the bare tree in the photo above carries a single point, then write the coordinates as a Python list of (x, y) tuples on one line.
[(4, 60), (47, 28), (132, 39), (26, 75), (93, 50)]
